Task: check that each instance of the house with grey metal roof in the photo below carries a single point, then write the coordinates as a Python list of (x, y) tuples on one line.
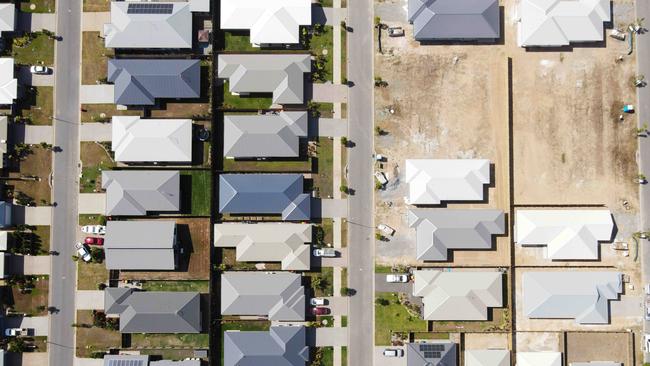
[(436, 20), (136, 140), (149, 25), (264, 194), (264, 135), (283, 75), (487, 357), (6, 214), (596, 363), (143, 360), (276, 295), (142, 81), (279, 346), (438, 231), (431, 353), (287, 243), (137, 192), (153, 311), (141, 245), (458, 295), (580, 295)]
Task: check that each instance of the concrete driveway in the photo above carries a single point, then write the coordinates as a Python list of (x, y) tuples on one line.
[(33, 359), (94, 21), (32, 215), (338, 305), (381, 360), (341, 260), (90, 300), (323, 337), (328, 16), (97, 94), (329, 93), (92, 203), (330, 127), (628, 306), (39, 324), (37, 134), (28, 264), (25, 77), (34, 22), (92, 131), (330, 208)]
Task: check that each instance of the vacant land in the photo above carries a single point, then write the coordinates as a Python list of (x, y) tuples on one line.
[(194, 263), (38, 6), (39, 51), (97, 5), (95, 157), (94, 63), (91, 275), (104, 112), (33, 302), (93, 339), (581, 347), (393, 317), (178, 341), (197, 195), (37, 163), (37, 105)]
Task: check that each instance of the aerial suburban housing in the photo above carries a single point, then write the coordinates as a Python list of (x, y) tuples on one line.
[(141, 245), (144, 360), (138, 192), (432, 181), (539, 358), (440, 231), (286, 243), (136, 140), (269, 22), (459, 20), (7, 18), (434, 353), (8, 83), (277, 346), (269, 135), (282, 75), (487, 357)]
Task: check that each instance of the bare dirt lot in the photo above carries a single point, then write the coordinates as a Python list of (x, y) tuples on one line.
[(487, 341), (581, 347), (539, 342)]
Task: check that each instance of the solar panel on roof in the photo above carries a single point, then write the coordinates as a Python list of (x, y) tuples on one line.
[(150, 8), (432, 347), (125, 363), (432, 354)]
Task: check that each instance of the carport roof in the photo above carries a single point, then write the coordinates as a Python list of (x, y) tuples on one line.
[(279, 346), (567, 234), (439, 230), (152, 140), (487, 357), (280, 74), (141, 82), (268, 242), (135, 192), (268, 135), (278, 295), (453, 19), (431, 353), (264, 194), (458, 295), (580, 295), (432, 181), (170, 27), (154, 312)]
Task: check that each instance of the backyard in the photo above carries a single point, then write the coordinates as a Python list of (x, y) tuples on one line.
[(390, 316), (199, 193), (189, 286), (37, 105), (39, 50), (251, 101), (90, 275), (32, 303), (238, 41), (302, 166), (95, 157), (92, 339), (36, 163), (38, 6), (94, 63)]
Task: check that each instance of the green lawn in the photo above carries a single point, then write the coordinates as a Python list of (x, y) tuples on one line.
[(393, 318), (90, 275), (382, 269), (344, 321), (323, 179), (201, 191), (43, 234), (40, 6), (327, 356), (344, 356), (190, 286), (95, 158), (93, 219), (323, 45), (238, 41), (326, 279), (344, 55), (231, 101), (37, 105), (39, 51), (233, 165)]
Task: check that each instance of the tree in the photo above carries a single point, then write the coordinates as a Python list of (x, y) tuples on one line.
[(17, 345), (97, 255), (381, 301), (343, 188), (377, 22), (344, 141)]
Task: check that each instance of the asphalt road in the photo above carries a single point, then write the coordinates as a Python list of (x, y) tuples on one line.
[(65, 190), (360, 205)]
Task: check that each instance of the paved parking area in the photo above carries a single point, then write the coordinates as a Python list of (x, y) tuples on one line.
[(39, 324), (330, 208), (331, 127), (338, 305), (89, 300), (330, 93), (94, 21), (328, 16), (34, 359), (97, 94), (324, 337), (341, 260), (36, 22), (37, 134), (37, 264), (381, 360), (95, 132), (25, 77), (92, 203), (32, 215)]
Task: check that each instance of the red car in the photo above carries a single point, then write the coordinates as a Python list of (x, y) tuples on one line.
[(320, 311), (94, 241)]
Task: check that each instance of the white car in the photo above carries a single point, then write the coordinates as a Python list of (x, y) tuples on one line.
[(316, 301), (83, 253), (15, 332), (386, 229), (646, 342), (324, 252), (391, 352), (397, 278), (94, 229), (381, 178), (647, 288), (38, 69)]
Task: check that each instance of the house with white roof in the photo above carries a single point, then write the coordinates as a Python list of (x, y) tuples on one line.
[(566, 234), (8, 83), (487, 357), (152, 140), (432, 181), (458, 295), (539, 359), (269, 22), (7, 17), (554, 23)]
